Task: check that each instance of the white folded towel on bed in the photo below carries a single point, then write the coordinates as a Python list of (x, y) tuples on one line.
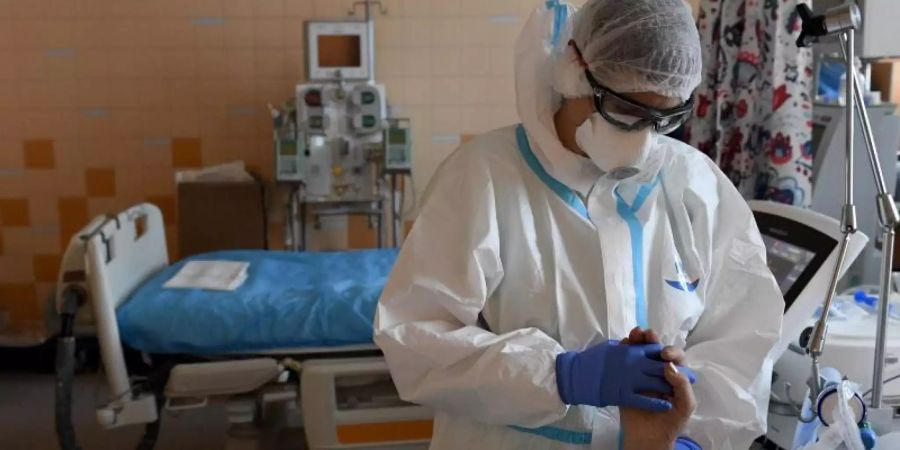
[(215, 275)]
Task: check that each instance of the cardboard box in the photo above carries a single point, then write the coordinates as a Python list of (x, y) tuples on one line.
[(221, 216), (886, 78)]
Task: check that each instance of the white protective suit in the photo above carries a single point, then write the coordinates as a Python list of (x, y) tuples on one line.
[(559, 257)]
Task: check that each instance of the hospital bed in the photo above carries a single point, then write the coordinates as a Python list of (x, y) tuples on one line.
[(289, 349)]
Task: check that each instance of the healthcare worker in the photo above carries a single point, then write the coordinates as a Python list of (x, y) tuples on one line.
[(541, 245)]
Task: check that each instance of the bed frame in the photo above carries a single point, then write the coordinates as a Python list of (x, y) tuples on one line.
[(113, 255), (120, 252)]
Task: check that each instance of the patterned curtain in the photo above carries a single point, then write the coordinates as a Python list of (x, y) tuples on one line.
[(753, 111)]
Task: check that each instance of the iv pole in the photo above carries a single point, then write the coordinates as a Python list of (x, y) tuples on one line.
[(370, 29), (844, 20)]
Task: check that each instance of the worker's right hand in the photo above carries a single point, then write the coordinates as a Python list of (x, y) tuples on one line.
[(612, 374)]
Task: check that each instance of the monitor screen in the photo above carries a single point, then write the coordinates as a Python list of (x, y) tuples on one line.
[(339, 50), (396, 136), (794, 252), (786, 261)]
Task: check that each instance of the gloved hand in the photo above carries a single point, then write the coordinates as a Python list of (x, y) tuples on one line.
[(612, 374), (686, 444)]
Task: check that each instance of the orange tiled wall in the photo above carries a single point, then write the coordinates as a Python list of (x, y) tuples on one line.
[(101, 101)]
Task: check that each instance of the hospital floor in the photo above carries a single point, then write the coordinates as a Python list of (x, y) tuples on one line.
[(26, 418), (26, 415)]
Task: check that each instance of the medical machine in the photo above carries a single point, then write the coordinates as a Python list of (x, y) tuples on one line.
[(334, 142), (851, 350), (329, 138), (802, 248), (290, 149), (398, 146), (342, 125), (251, 348)]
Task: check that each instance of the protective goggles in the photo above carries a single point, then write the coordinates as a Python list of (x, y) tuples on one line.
[(629, 115)]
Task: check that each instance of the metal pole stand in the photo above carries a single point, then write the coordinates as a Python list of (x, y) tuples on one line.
[(888, 216), (396, 218), (844, 21)]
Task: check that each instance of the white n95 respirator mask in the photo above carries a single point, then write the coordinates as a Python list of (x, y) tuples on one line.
[(619, 153)]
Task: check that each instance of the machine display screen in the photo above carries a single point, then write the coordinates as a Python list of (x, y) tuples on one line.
[(396, 136), (787, 262), (340, 50), (794, 252), (288, 148)]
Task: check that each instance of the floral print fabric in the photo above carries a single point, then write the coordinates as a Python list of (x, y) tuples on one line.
[(753, 112)]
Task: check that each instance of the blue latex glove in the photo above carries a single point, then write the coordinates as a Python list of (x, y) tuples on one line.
[(684, 443), (611, 374)]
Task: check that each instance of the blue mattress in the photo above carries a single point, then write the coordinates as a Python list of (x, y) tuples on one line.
[(288, 300)]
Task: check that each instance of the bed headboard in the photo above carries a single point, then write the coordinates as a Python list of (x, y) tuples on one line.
[(127, 249), (120, 254)]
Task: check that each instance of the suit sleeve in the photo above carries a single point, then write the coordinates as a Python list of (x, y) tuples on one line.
[(426, 318)]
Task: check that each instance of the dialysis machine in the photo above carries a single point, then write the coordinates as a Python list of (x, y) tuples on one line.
[(331, 135), (334, 142)]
